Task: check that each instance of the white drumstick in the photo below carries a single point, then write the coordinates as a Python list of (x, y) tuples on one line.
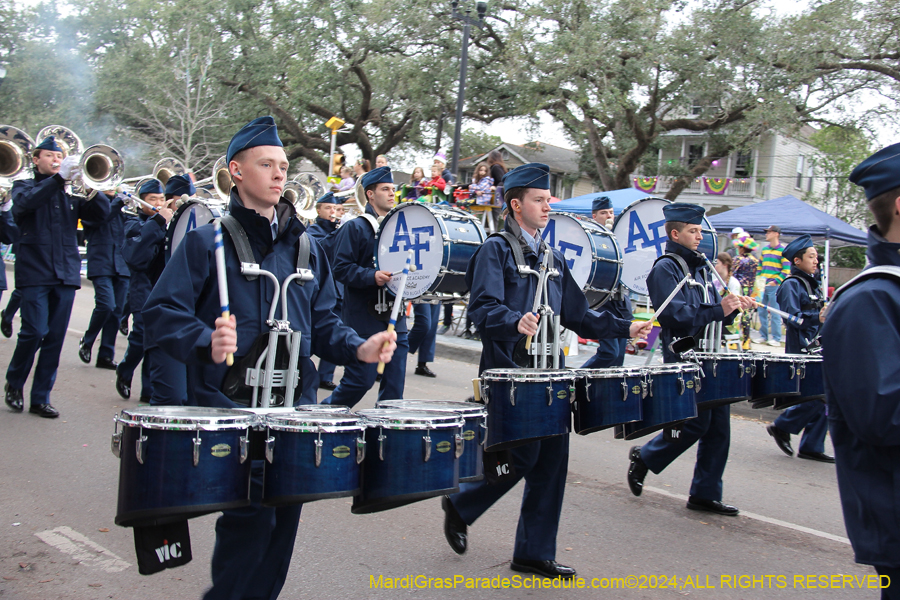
[(222, 279), (138, 200), (781, 313), (398, 300), (671, 297)]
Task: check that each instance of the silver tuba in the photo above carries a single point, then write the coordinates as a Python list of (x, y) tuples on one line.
[(359, 196), (163, 170), (221, 180), (15, 154), (303, 193)]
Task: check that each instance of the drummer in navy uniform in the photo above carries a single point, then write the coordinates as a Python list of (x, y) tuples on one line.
[(325, 225), (500, 302), (687, 315), (253, 544), (860, 345), (799, 296), (48, 270), (365, 309)]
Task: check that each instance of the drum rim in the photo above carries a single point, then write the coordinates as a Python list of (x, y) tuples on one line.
[(420, 420), (454, 406), (515, 374), (779, 358), (723, 355), (300, 423), (609, 372), (681, 367), (335, 408), (154, 417)]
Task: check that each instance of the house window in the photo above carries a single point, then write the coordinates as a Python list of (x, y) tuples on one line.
[(742, 167), (555, 185), (695, 153), (809, 179), (799, 183)]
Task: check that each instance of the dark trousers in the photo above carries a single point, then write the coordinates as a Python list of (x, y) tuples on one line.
[(45, 318), (809, 418), (253, 547), (892, 592), (359, 378), (168, 379), (134, 355), (544, 465), (610, 353), (448, 315), (12, 306), (326, 370), (109, 304), (423, 335), (712, 432)]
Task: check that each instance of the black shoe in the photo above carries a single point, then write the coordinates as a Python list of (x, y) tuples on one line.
[(713, 506), (14, 399), (444, 329), (637, 471), (424, 371), (455, 529), (84, 352), (327, 385), (466, 335), (819, 456), (145, 399), (123, 326), (5, 326), (547, 568), (782, 439), (106, 363), (43, 410), (123, 386)]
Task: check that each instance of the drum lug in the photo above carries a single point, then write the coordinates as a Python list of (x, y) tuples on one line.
[(681, 386), (245, 447), (360, 450), (802, 370), (484, 432), (427, 440), (485, 395), (459, 444), (270, 448), (624, 390), (765, 368), (318, 443), (197, 442), (572, 393), (381, 438), (794, 371), (587, 389), (116, 443), (550, 394), (742, 370), (512, 393), (697, 384), (715, 368), (753, 369), (139, 446)]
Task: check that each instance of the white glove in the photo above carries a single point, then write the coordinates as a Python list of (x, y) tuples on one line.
[(68, 170), (6, 206)]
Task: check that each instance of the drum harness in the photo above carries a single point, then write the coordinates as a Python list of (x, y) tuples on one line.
[(259, 377), (711, 333), (382, 305)]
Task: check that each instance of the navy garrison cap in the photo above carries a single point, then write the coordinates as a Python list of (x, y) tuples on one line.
[(180, 184), (684, 212), (379, 175), (601, 203), (532, 175), (153, 186), (797, 247), (328, 198), (49, 143), (879, 173), (258, 132)]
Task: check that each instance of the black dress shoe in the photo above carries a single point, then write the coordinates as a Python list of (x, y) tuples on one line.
[(455, 529), (637, 471), (327, 385), (782, 439), (145, 399), (123, 326), (106, 363), (123, 386), (819, 456), (84, 352), (547, 568), (5, 326), (424, 371), (14, 398), (43, 410), (713, 506)]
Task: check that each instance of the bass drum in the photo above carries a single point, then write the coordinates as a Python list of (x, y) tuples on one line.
[(640, 231), (591, 251), (191, 215), (443, 241)]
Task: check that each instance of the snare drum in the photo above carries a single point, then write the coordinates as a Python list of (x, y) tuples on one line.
[(669, 396), (443, 241), (591, 252), (411, 456), (775, 375), (725, 378), (471, 463), (526, 405), (191, 215), (180, 462), (312, 456), (606, 397), (812, 382), (322, 408)]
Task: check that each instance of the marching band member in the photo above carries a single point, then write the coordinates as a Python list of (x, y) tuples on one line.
[(354, 247), (184, 318), (107, 270), (799, 295), (325, 225), (48, 270), (688, 313), (500, 302), (860, 345)]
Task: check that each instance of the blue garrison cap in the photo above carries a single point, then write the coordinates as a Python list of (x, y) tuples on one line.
[(49, 143), (180, 184), (328, 198), (797, 247), (379, 175), (601, 203), (879, 173), (153, 186), (684, 212), (532, 175), (258, 132)]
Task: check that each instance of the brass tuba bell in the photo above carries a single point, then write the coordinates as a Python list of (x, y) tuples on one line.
[(15, 152)]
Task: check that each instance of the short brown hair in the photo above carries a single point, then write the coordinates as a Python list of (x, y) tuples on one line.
[(516, 193), (674, 226), (883, 207), (726, 260)]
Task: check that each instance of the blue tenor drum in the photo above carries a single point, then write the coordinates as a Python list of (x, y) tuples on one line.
[(526, 405), (411, 456), (312, 456), (726, 378), (775, 375), (606, 397), (443, 241), (471, 463), (812, 382), (178, 462), (668, 396), (591, 252)]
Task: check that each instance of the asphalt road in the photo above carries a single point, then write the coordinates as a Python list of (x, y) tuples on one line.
[(58, 502)]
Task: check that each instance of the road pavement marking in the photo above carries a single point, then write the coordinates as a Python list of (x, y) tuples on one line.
[(82, 549), (763, 518)]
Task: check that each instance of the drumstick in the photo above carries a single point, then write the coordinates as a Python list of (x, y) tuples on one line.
[(398, 300), (671, 297), (121, 190), (781, 313), (223, 280)]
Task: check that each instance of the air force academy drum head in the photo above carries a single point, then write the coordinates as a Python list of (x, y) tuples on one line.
[(640, 231)]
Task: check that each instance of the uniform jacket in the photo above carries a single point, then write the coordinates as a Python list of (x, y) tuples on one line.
[(499, 297), (47, 218), (791, 297), (860, 345), (323, 231), (180, 314), (145, 238), (104, 243), (689, 312), (9, 234)]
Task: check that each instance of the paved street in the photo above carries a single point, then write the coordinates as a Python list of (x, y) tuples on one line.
[(58, 501)]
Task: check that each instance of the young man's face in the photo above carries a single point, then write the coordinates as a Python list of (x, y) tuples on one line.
[(326, 210), (807, 261), (157, 200), (689, 237), (381, 198), (259, 175), (47, 162), (772, 237), (532, 210), (602, 216), (338, 211)]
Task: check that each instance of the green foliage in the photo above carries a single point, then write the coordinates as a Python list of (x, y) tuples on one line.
[(842, 148), (476, 143)]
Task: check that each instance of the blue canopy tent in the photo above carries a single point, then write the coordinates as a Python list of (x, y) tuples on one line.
[(581, 205)]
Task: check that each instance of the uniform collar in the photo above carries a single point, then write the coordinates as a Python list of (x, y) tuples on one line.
[(325, 224), (371, 211), (880, 251), (692, 258), (527, 245), (259, 228), (797, 272)]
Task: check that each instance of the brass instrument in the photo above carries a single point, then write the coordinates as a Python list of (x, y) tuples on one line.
[(101, 166), (221, 180), (359, 196), (65, 138), (15, 154), (303, 193), (163, 170)]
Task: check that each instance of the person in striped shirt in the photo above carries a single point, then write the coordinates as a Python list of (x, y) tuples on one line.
[(774, 269)]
